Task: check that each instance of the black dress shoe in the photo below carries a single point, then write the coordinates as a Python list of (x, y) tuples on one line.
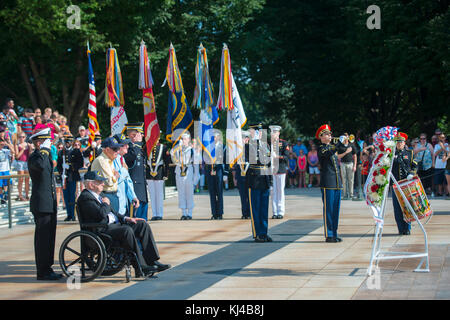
[(51, 276), (68, 219), (183, 218), (406, 233), (219, 217), (188, 218), (331, 239), (147, 271), (259, 239), (213, 217), (280, 216), (160, 266), (275, 216), (154, 218), (267, 238), (338, 239)]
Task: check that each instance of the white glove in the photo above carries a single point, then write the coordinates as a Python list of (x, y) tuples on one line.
[(66, 166), (410, 177), (94, 144), (225, 178), (47, 144)]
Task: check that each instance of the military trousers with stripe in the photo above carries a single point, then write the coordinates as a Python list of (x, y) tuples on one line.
[(259, 211), (331, 199)]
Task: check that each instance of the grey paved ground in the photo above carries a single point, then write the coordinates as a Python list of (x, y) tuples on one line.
[(218, 260)]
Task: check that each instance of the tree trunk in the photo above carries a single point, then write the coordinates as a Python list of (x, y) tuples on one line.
[(28, 85), (42, 88)]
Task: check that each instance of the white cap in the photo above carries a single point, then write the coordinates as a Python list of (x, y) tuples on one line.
[(275, 128), (81, 128), (43, 134), (245, 134)]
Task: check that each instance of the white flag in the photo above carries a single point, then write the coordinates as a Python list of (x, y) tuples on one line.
[(118, 120), (236, 119)]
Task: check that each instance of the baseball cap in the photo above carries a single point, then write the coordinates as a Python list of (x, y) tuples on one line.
[(111, 142), (93, 176)]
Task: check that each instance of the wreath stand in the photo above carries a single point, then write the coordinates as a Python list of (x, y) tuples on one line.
[(377, 254)]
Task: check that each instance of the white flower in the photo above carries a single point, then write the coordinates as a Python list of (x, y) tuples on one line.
[(389, 144), (385, 161), (380, 179), (374, 196)]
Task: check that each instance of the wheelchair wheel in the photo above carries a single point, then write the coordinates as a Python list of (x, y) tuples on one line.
[(115, 262), (82, 254)]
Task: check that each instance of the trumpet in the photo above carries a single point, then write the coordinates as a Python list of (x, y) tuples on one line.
[(334, 140)]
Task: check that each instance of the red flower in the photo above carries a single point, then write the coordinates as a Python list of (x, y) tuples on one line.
[(375, 173), (382, 147), (389, 150), (383, 171), (374, 188)]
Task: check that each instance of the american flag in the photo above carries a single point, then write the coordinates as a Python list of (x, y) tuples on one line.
[(92, 110)]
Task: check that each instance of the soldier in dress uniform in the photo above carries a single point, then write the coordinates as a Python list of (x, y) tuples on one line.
[(43, 204), (330, 183), (70, 160), (136, 160), (259, 182), (183, 156), (403, 167), (214, 174), (280, 156), (156, 173), (239, 173)]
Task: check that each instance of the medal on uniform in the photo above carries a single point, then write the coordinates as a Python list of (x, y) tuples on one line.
[(154, 170)]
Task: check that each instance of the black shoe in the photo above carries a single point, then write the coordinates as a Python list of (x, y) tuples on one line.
[(260, 239), (338, 239), (243, 217), (149, 270), (406, 233), (188, 218), (74, 219), (51, 276), (68, 219), (280, 216), (275, 216), (219, 217), (267, 238), (183, 218), (331, 239), (160, 266), (213, 217), (154, 219)]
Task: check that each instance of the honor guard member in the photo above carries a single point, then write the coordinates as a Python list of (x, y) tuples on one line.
[(214, 176), (239, 174), (280, 156), (43, 204), (259, 182), (136, 160), (403, 167), (330, 183), (183, 156), (156, 173), (70, 161)]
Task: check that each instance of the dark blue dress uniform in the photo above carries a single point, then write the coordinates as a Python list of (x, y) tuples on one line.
[(402, 166), (240, 175), (259, 181), (136, 162), (330, 187), (74, 159), (214, 177), (44, 209)]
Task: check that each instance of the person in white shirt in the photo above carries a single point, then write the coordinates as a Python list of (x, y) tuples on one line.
[(441, 149)]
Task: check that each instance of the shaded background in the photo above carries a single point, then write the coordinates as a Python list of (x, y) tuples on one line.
[(298, 64)]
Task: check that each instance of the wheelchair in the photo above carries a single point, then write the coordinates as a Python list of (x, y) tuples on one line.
[(90, 253)]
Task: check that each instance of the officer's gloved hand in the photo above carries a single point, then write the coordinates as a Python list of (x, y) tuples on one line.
[(46, 144), (94, 144), (410, 177), (66, 166)]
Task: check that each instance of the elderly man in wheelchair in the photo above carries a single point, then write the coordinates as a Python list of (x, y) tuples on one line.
[(107, 241)]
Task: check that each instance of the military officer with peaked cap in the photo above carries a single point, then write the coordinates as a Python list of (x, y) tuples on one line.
[(403, 167), (156, 173), (43, 204), (136, 160), (280, 156), (330, 183), (239, 172), (259, 181)]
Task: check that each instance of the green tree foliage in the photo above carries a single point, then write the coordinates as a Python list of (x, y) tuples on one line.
[(297, 63)]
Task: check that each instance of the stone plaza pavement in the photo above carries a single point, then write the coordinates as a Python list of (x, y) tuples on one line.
[(218, 260)]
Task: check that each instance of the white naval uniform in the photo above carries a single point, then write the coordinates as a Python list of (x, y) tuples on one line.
[(278, 199), (156, 187), (185, 184)]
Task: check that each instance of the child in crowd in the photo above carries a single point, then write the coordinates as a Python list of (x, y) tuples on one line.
[(292, 170), (365, 167), (301, 169), (6, 154)]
